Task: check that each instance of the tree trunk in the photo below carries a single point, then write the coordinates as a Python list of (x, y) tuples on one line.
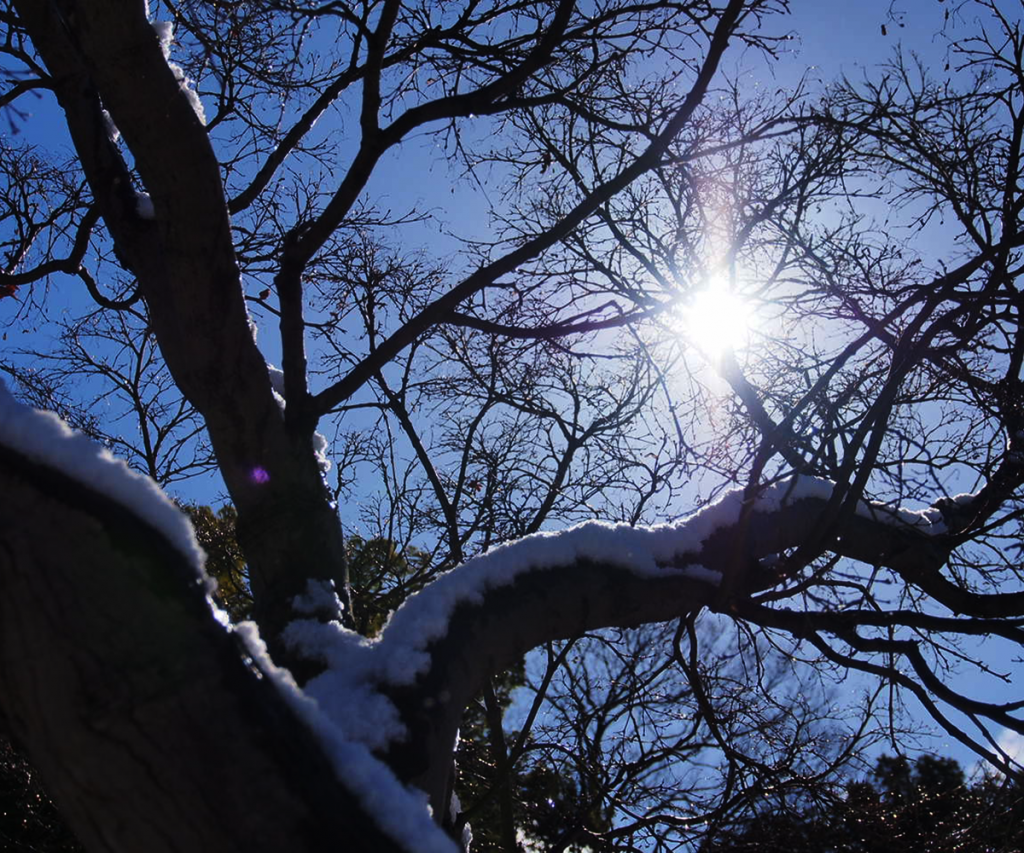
[(106, 56), (139, 709)]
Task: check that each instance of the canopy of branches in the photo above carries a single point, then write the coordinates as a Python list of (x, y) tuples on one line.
[(679, 420)]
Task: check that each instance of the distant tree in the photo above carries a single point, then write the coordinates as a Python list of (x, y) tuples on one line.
[(926, 804), (29, 822), (105, 377), (216, 532)]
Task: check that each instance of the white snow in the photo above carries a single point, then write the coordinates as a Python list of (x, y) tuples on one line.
[(928, 521), (401, 812), (347, 690), (320, 597), (165, 33), (144, 206), (400, 655), (45, 438), (108, 123), (343, 705), (276, 381), (454, 810), (703, 573), (320, 445)]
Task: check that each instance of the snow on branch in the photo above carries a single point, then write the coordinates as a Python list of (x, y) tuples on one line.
[(165, 33), (686, 549), (399, 810), (43, 437), (440, 644)]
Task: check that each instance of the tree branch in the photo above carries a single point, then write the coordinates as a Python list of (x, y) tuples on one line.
[(437, 311), (575, 326), (486, 614)]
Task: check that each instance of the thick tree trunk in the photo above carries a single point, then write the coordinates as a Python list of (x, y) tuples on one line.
[(105, 55), (139, 709)]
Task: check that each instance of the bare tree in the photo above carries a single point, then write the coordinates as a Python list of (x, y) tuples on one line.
[(515, 382), (111, 361)]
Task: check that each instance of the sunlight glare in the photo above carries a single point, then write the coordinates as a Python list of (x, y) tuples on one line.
[(717, 321)]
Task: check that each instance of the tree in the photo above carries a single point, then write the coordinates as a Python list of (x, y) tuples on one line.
[(528, 378), (927, 805), (29, 820)]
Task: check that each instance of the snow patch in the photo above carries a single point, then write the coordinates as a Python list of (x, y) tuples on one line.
[(108, 124), (928, 521), (320, 597), (276, 380), (356, 667), (353, 718), (703, 573), (320, 444), (401, 812), (347, 690), (45, 438), (454, 810), (165, 33), (144, 206)]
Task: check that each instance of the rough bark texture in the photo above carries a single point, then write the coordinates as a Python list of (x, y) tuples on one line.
[(136, 706)]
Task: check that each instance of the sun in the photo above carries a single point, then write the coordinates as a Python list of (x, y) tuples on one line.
[(717, 321)]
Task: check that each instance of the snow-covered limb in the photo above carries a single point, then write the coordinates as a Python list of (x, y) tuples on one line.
[(44, 437), (401, 810), (442, 642), (109, 653)]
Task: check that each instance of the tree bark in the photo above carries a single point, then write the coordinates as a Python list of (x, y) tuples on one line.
[(488, 632), (138, 708)]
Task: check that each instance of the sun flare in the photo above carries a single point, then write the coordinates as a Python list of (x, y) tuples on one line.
[(717, 321)]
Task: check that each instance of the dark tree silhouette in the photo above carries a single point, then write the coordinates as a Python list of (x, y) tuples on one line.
[(857, 466), (924, 805)]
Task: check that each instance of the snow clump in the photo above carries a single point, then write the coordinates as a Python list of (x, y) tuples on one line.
[(165, 33)]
